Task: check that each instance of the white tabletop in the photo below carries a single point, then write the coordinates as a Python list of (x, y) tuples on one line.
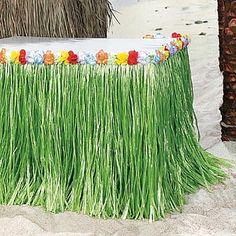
[(82, 45)]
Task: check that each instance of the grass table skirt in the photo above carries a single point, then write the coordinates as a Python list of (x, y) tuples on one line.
[(108, 141)]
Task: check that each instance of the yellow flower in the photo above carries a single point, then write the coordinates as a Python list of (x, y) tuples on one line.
[(122, 58), (15, 56), (185, 36), (64, 57), (165, 52), (179, 43)]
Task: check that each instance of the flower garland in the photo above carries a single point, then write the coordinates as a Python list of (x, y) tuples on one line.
[(178, 42)]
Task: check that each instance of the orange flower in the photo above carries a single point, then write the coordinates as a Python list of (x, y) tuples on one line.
[(102, 57), (3, 56), (161, 55), (49, 58)]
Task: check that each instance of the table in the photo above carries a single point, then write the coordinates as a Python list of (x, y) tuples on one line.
[(111, 135)]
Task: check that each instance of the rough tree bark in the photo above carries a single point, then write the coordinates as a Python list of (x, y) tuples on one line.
[(227, 59)]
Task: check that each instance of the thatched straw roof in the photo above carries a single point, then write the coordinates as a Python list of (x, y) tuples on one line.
[(54, 18)]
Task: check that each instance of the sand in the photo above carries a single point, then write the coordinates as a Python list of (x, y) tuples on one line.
[(206, 213)]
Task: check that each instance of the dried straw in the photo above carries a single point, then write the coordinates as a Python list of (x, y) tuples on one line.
[(55, 18)]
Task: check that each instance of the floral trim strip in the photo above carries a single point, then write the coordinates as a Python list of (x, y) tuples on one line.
[(178, 42)]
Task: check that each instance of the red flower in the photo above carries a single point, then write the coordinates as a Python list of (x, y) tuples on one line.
[(175, 35), (133, 58), (22, 57), (73, 58), (22, 60), (22, 52)]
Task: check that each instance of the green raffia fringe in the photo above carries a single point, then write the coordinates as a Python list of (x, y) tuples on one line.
[(107, 141)]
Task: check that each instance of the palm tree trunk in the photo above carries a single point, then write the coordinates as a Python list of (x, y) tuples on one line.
[(227, 59)]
